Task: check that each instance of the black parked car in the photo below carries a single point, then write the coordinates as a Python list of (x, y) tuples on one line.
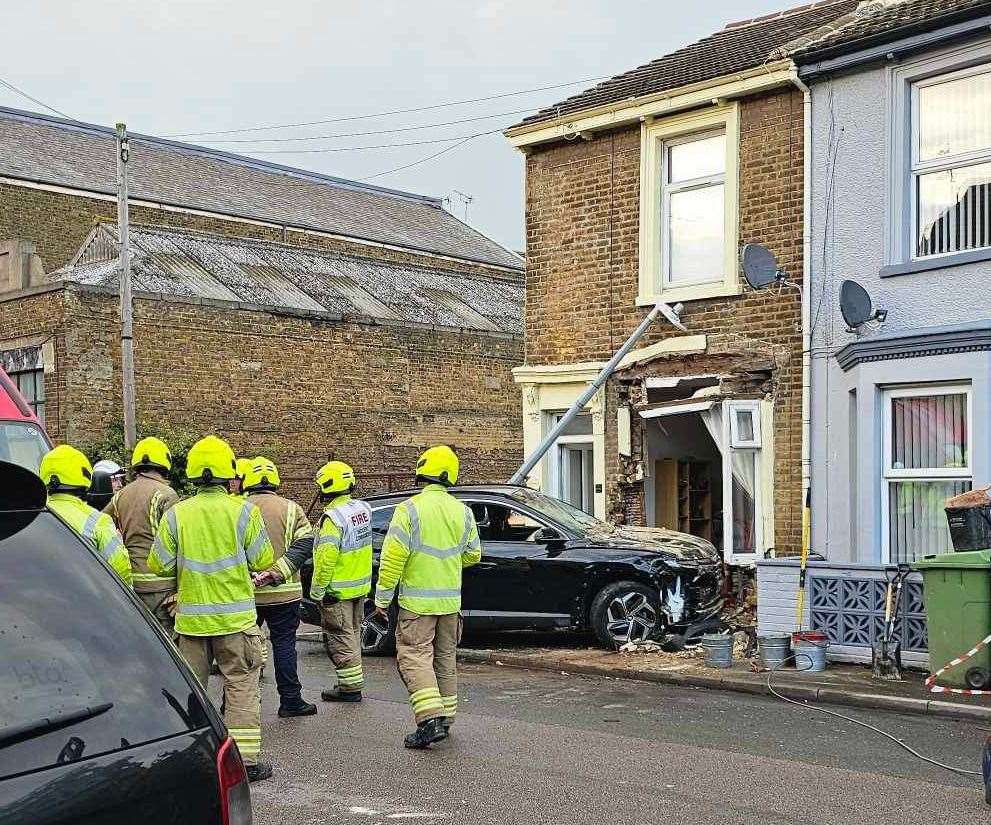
[(546, 564), (100, 720)]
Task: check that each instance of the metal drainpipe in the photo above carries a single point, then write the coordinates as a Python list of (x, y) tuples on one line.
[(806, 283)]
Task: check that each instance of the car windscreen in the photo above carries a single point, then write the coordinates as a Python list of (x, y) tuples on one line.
[(72, 642), (22, 444), (568, 516)]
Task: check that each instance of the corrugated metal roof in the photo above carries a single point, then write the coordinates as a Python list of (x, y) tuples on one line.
[(739, 46), (185, 263), (50, 150)]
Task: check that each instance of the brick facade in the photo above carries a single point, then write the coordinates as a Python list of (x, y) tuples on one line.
[(582, 225), (300, 389)]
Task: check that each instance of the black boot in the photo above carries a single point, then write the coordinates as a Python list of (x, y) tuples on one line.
[(259, 771), (447, 721), (426, 734), (338, 695), (300, 709)]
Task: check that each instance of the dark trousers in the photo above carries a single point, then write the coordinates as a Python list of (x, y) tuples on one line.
[(283, 622)]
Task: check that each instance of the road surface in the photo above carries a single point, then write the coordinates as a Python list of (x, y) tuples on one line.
[(534, 747)]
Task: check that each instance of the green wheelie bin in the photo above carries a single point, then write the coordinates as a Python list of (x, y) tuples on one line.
[(958, 615)]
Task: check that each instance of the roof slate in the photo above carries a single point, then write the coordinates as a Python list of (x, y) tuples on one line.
[(188, 264), (54, 151), (882, 19), (737, 47)]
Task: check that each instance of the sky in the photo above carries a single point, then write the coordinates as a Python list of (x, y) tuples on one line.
[(193, 66)]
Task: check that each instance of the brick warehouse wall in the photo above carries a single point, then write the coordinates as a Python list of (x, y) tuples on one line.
[(298, 389), (582, 222)]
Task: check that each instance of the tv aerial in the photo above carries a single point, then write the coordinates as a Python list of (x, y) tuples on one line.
[(857, 308)]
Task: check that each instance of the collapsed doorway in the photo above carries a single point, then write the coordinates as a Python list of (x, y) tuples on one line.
[(706, 474)]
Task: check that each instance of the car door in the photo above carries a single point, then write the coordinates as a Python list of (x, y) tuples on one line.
[(501, 588)]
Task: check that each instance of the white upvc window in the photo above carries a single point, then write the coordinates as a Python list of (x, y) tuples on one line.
[(688, 208), (571, 463), (951, 162), (926, 458)]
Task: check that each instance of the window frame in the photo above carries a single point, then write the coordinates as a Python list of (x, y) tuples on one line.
[(37, 404), (656, 137), (890, 475), (916, 168)]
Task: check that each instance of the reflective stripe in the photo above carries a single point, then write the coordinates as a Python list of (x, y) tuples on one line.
[(414, 523), (428, 592), (243, 519), (439, 552), (89, 526), (256, 546), (212, 609), (112, 547), (165, 555), (323, 540), (339, 584), (398, 533), (225, 563), (385, 595), (467, 531)]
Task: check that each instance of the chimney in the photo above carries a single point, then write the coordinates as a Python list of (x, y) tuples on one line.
[(20, 265)]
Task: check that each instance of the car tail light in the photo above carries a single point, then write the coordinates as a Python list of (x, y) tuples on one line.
[(235, 798)]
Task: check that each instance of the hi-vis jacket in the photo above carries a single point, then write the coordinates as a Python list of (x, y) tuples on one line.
[(96, 529), (431, 538), (342, 551), (211, 542), (137, 510), (285, 522)]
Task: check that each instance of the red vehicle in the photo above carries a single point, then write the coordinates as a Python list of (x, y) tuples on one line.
[(23, 440)]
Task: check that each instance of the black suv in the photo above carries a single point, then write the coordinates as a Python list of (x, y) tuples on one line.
[(546, 564), (100, 720)]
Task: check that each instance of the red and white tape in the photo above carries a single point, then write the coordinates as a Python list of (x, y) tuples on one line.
[(970, 654)]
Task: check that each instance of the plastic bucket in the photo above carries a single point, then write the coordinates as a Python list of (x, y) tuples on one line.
[(809, 647), (970, 527), (775, 648), (718, 649)]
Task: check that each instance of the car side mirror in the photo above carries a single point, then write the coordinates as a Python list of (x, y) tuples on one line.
[(481, 517), (547, 535)]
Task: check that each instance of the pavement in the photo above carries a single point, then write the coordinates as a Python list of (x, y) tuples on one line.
[(536, 746), (850, 685)]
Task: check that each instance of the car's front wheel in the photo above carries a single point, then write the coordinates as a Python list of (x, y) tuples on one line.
[(624, 612), (376, 640)]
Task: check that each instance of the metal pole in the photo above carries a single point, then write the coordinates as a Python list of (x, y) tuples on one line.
[(126, 302), (661, 308)]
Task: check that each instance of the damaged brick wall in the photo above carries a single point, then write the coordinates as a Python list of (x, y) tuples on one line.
[(302, 389), (582, 230)]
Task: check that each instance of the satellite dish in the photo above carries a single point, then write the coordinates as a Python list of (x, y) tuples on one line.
[(760, 267), (857, 307)]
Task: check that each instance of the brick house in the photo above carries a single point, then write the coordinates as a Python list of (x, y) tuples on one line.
[(292, 312), (644, 188)]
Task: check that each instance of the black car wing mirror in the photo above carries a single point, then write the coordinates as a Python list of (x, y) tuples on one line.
[(22, 497), (548, 535)]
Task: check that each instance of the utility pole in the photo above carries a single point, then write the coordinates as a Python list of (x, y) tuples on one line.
[(126, 302)]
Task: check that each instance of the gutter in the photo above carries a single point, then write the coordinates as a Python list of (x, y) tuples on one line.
[(806, 285)]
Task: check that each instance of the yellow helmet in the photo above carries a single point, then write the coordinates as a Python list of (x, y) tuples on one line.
[(151, 452), (261, 474), (439, 464), (335, 477), (210, 459), (65, 468)]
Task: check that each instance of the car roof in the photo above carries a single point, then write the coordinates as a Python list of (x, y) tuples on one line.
[(487, 489)]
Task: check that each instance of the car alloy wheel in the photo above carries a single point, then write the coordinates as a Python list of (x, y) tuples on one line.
[(630, 618), (373, 635)]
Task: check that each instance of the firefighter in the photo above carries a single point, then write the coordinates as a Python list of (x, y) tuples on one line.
[(431, 539), (211, 542), (137, 510), (68, 474), (278, 606), (342, 575)]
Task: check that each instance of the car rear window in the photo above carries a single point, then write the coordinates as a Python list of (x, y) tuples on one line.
[(72, 638), (22, 444)]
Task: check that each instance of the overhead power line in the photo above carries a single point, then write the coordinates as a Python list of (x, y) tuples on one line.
[(365, 134), (424, 160), (26, 96), (323, 149), (265, 127)]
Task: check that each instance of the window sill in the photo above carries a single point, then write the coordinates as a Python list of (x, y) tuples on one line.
[(939, 262), (695, 292)]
